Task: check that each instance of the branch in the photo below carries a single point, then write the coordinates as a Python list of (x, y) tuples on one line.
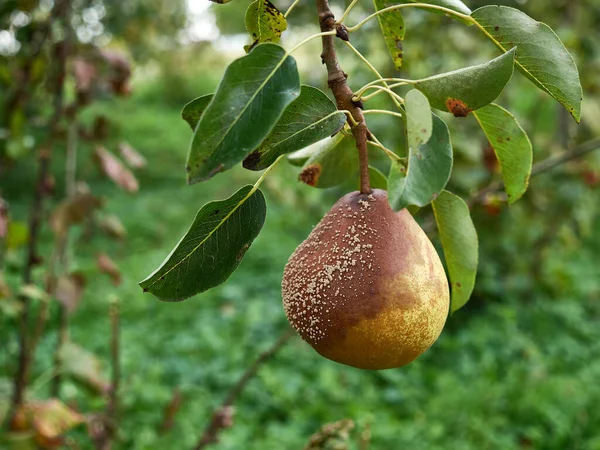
[(222, 416), (336, 79), (61, 11), (537, 169), (541, 167)]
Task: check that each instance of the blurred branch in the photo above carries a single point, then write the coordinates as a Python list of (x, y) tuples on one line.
[(541, 167), (61, 11), (223, 416), (107, 422), (537, 169)]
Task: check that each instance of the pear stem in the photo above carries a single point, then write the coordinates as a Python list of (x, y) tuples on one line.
[(336, 79)]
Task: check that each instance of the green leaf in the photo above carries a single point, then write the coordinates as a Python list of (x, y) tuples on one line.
[(334, 162), (378, 180), (429, 168), (541, 56), (264, 22), (459, 240), (300, 157), (212, 248), (465, 90), (193, 110), (392, 28), (511, 145), (454, 5), (308, 119), (418, 118), (253, 94)]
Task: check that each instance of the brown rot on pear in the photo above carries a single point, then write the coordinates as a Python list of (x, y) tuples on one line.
[(366, 288)]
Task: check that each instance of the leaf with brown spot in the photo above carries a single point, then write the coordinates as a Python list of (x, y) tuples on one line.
[(115, 170), (264, 22), (392, 28), (108, 266), (131, 156), (334, 161), (474, 86)]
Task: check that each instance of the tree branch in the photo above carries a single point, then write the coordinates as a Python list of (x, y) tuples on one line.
[(222, 416), (61, 11), (336, 79), (537, 169)]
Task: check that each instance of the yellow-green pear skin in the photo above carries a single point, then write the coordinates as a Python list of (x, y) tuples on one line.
[(366, 288)]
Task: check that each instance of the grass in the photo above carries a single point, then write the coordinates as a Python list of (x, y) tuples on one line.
[(514, 374)]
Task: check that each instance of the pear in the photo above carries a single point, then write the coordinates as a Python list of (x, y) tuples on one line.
[(366, 288)]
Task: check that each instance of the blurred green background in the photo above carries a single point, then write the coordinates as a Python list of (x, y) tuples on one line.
[(517, 368)]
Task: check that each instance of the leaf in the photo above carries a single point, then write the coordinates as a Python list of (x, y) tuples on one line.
[(418, 118), (511, 145), (378, 180), (429, 169), (300, 157), (468, 89), (253, 94), (212, 248), (113, 227), (193, 110), (454, 5), (51, 419), (459, 240), (17, 234), (308, 119), (541, 56), (392, 28), (335, 161), (69, 290), (73, 211), (83, 367), (131, 156), (115, 170), (108, 266), (33, 292), (264, 22)]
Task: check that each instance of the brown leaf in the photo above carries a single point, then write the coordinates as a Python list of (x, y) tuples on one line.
[(73, 211), (69, 290), (116, 171), (112, 226), (331, 435), (120, 71), (85, 73), (50, 420), (3, 218), (131, 156), (107, 266), (83, 367)]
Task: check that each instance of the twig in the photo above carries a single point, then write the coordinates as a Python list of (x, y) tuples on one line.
[(336, 79), (222, 416), (541, 167), (537, 169), (61, 11), (106, 424)]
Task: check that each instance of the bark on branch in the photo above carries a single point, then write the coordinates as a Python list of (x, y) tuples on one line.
[(336, 79)]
